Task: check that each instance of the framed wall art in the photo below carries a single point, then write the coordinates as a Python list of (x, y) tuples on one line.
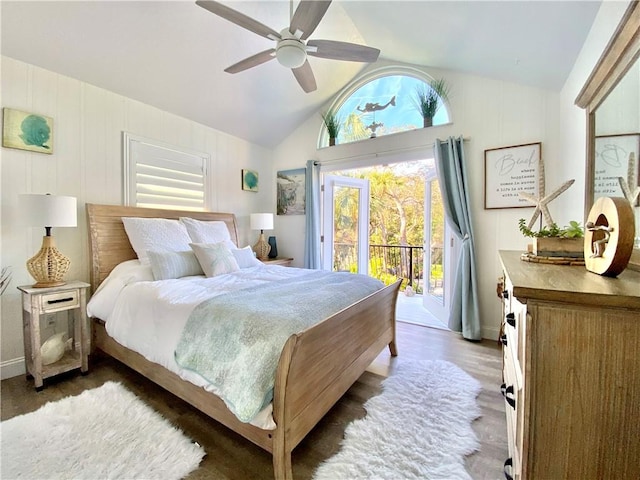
[(509, 171), (27, 131), (291, 192), (616, 156), (249, 180)]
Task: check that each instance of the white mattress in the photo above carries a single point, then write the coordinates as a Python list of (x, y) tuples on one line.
[(148, 316)]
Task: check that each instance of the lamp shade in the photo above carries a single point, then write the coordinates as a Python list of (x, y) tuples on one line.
[(42, 210), (261, 221)]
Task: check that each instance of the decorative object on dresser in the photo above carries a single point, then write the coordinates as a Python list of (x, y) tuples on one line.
[(608, 242), (105, 432), (262, 222), (43, 360), (555, 244), (571, 376), (440, 432), (48, 267)]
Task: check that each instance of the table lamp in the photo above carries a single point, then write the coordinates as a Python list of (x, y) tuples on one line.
[(48, 267), (262, 222)]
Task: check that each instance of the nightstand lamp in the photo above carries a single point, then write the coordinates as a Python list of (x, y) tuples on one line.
[(262, 222), (48, 266)]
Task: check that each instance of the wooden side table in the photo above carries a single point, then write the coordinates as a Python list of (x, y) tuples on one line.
[(37, 303), (284, 261)]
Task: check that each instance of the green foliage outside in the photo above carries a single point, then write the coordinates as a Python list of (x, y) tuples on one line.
[(396, 217)]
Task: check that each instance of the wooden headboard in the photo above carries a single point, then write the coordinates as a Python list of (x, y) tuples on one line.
[(108, 241)]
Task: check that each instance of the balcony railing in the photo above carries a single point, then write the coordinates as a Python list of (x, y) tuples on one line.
[(386, 262)]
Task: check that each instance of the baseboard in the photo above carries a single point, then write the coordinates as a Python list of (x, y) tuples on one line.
[(491, 333), (12, 368)]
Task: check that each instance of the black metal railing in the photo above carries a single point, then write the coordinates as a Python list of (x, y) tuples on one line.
[(386, 262)]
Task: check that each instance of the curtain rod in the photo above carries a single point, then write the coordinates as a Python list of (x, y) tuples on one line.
[(377, 154)]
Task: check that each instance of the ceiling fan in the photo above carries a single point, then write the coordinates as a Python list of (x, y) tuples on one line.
[(292, 46)]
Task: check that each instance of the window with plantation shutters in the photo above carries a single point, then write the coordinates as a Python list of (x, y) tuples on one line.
[(158, 175)]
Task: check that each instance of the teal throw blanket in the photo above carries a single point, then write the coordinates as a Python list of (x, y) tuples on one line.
[(234, 340)]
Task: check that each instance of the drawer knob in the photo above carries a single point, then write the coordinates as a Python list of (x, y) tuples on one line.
[(505, 294), (508, 394), (511, 319), (508, 465)]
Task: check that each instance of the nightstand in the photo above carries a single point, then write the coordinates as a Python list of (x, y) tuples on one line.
[(41, 306), (284, 261)]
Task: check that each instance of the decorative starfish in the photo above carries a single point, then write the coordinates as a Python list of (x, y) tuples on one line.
[(632, 197), (625, 185), (542, 200)]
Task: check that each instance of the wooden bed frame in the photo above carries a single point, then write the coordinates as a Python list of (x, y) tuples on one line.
[(316, 367)]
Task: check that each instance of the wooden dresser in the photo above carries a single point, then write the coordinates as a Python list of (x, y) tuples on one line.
[(571, 344)]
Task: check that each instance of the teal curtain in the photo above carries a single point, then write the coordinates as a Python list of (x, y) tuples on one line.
[(312, 214), (452, 175)]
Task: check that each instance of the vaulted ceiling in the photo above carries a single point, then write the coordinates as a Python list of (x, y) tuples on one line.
[(171, 54)]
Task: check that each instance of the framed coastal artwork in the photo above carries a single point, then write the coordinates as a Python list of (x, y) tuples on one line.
[(509, 171), (291, 192), (249, 180), (27, 131)]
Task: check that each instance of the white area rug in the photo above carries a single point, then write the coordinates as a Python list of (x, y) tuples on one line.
[(103, 433), (419, 427)]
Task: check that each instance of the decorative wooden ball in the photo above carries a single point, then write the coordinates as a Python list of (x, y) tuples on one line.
[(608, 238)]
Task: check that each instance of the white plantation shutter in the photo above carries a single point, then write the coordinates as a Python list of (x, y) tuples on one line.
[(164, 176)]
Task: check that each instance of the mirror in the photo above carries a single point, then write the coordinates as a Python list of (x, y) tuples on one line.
[(611, 98)]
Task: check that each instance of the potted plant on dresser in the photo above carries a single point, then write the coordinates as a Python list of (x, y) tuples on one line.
[(552, 241)]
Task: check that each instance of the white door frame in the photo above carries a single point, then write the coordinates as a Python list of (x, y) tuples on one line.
[(330, 182)]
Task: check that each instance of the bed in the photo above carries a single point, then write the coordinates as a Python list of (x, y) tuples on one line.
[(316, 366)]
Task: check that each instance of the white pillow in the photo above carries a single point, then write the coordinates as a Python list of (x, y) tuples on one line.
[(215, 258), (245, 257), (166, 265), (104, 299), (156, 234), (206, 232)]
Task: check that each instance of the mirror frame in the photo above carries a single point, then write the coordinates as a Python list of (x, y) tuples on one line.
[(619, 55)]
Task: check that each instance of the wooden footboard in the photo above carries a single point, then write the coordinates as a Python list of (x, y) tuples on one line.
[(318, 365)]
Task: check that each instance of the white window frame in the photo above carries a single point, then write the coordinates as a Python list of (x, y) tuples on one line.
[(182, 173)]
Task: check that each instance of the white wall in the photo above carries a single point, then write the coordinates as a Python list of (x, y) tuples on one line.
[(87, 164)]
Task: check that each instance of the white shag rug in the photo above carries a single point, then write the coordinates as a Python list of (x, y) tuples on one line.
[(419, 427), (103, 433)]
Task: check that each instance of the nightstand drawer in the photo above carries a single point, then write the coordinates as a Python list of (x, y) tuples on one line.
[(58, 301)]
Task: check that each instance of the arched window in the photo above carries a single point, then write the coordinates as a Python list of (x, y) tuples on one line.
[(382, 104)]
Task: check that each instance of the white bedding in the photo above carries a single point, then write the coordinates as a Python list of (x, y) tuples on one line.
[(148, 316)]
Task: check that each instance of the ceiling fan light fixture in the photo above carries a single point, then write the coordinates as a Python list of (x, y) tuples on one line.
[(291, 53)]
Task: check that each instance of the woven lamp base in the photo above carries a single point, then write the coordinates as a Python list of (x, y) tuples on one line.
[(262, 248), (48, 267)]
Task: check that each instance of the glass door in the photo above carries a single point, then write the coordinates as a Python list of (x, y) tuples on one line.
[(346, 224)]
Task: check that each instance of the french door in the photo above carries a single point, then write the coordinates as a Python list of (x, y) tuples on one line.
[(346, 224), (441, 252)]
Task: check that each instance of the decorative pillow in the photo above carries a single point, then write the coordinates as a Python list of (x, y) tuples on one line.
[(155, 234), (166, 265), (207, 232), (215, 258), (245, 257)]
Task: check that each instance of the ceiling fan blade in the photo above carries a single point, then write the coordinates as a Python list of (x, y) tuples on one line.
[(253, 61), (305, 77), (238, 18), (308, 16), (350, 52)]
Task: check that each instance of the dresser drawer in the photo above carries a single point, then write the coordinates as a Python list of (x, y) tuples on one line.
[(57, 301)]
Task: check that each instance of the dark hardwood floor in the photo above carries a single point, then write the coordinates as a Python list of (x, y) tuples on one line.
[(229, 456)]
